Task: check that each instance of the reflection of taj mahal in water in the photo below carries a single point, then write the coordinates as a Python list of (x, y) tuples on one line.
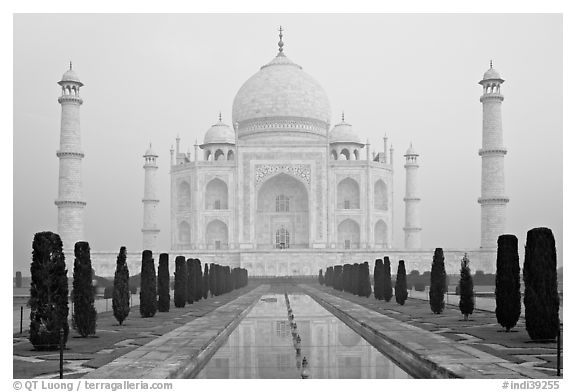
[(262, 347), (282, 192)]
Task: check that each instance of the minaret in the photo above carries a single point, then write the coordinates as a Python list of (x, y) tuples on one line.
[(492, 199), (150, 202), (70, 200), (412, 229)]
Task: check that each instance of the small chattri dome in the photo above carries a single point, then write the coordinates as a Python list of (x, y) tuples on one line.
[(491, 73), (220, 133), (70, 76), (150, 152), (411, 151), (343, 133)]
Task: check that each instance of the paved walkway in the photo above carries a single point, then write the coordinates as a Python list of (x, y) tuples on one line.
[(182, 352), (83, 355), (446, 357)]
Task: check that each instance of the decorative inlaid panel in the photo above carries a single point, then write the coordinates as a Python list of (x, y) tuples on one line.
[(262, 172)]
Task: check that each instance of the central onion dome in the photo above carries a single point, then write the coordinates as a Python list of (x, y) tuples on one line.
[(281, 97)]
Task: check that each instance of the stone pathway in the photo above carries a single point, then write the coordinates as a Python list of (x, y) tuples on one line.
[(182, 352), (453, 351), (83, 355)]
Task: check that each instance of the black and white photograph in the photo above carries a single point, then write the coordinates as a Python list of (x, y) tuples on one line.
[(287, 196)]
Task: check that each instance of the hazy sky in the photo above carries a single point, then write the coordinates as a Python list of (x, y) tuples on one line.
[(414, 77)]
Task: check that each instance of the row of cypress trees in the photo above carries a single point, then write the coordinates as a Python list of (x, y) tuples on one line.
[(352, 278), (355, 279), (191, 285), (49, 295)]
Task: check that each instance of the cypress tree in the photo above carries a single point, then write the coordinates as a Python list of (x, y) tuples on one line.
[(328, 277), (121, 292), (466, 288), (386, 280), (190, 289), (163, 283), (507, 291), (198, 290), (364, 288), (205, 281), (48, 292), (320, 277), (378, 275), (228, 280), (437, 282), (84, 315), (400, 289), (180, 282), (541, 301), (355, 279), (347, 278), (338, 277), (212, 279), (148, 295)]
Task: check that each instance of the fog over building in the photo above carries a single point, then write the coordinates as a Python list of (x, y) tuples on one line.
[(282, 191)]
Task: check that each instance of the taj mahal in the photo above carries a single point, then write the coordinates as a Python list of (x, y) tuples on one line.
[(281, 190)]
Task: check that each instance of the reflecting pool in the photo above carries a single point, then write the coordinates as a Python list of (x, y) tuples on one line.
[(264, 346)]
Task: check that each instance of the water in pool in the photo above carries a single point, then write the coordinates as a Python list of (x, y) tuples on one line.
[(263, 345)]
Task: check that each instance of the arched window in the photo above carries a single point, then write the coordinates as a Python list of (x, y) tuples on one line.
[(207, 155), (184, 233), (230, 155), (282, 238), (381, 234), (356, 155), (216, 195), (282, 203), (184, 196), (334, 155), (218, 155), (380, 195), (345, 155), (348, 194)]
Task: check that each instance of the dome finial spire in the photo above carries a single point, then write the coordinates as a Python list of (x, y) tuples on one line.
[(70, 64), (490, 63), (342, 115), (220, 116), (280, 43)]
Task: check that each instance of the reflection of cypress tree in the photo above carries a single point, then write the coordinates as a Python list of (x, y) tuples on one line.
[(508, 299), (48, 292), (466, 288), (163, 284), (205, 282), (148, 294), (121, 292), (190, 291), (541, 300), (180, 282), (400, 289), (378, 277), (320, 277), (437, 282), (84, 316), (386, 280)]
